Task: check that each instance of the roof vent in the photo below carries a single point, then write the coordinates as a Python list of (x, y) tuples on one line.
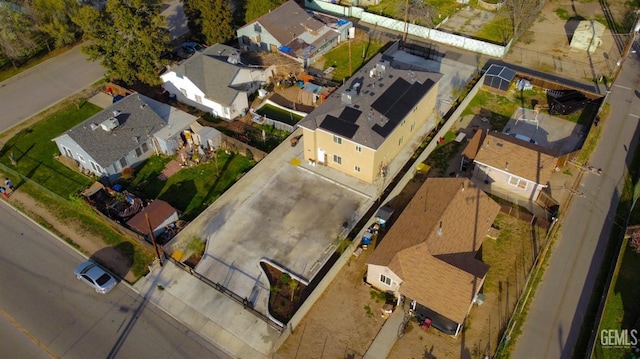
[(234, 58), (440, 229), (109, 124), (93, 126), (143, 105), (381, 67), (116, 113), (348, 96)]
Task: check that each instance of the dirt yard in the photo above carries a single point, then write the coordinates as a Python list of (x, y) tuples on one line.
[(545, 46)]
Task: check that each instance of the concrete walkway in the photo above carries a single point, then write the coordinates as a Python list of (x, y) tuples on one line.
[(386, 337)]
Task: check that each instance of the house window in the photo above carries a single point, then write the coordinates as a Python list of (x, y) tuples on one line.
[(358, 149), (145, 147), (184, 92), (337, 139), (198, 99), (337, 159), (386, 280), (67, 152), (123, 162), (518, 182), (400, 141), (80, 158), (415, 109), (356, 168), (179, 76), (403, 121), (413, 126), (138, 152), (96, 167)]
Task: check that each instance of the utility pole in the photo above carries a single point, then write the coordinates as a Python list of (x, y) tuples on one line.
[(627, 48), (406, 24), (153, 239)]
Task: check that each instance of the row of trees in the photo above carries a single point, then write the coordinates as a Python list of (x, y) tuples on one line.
[(128, 37)]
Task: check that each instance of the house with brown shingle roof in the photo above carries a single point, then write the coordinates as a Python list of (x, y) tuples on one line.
[(513, 165), (430, 255), (292, 31)]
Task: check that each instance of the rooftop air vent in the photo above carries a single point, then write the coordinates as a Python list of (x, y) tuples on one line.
[(109, 124), (348, 97), (116, 113)]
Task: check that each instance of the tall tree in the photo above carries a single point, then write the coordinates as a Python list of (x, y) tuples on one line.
[(522, 13), (210, 20), (16, 34), (128, 37), (257, 8), (53, 18)]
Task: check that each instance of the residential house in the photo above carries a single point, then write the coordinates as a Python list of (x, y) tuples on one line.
[(362, 126), (504, 163), (217, 80), (160, 213), (292, 31), (124, 135), (430, 254)]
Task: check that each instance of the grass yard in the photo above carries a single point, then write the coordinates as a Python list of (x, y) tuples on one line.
[(622, 310), (193, 189), (339, 57), (497, 30), (389, 8), (34, 151)]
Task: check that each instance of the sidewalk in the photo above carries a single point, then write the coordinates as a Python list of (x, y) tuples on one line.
[(386, 337), (207, 312)]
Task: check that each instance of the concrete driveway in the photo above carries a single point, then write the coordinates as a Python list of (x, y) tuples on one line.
[(546, 130)]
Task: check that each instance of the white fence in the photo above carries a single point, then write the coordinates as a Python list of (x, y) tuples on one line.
[(466, 43)]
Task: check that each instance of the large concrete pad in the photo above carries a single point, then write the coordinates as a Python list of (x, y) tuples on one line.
[(548, 131)]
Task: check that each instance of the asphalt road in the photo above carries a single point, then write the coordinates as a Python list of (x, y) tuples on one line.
[(46, 311), (558, 308), (30, 92)]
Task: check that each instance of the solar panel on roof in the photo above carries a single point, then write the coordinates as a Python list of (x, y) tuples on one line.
[(350, 114), (339, 127)]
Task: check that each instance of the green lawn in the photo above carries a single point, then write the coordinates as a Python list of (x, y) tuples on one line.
[(193, 189), (339, 57), (622, 310), (498, 29), (34, 151)]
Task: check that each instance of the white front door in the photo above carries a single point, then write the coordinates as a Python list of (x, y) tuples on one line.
[(320, 158)]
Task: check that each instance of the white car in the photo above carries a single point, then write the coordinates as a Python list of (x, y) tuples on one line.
[(96, 277)]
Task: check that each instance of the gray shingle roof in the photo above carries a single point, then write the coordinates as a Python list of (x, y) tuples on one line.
[(378, 103), (138, 121), (287, 22), (211, 73)]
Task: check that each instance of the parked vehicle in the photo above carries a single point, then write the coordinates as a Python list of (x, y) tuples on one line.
[(96, 277), (193, 47)]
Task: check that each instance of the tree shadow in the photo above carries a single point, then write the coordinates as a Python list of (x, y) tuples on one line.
[(118, 259)]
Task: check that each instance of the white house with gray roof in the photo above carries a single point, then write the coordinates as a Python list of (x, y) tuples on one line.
[(292, 31), (124, 135), (217, 81)]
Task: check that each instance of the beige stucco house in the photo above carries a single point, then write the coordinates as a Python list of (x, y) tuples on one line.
[(363, 125)]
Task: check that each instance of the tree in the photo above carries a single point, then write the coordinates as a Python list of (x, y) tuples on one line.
[(210, 20), (257, 8), (128, 37), (293, 285), (417, 12), (635, 241), (53, 18), (16, 34), (522, 13)]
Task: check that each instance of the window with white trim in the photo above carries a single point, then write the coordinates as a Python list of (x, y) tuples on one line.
[(518, 182), (337, 139), (123, 162), (358, 148), (337, 159), (413, 126), (184, 92), (80, 158), (138, 152), (96, 167), (145, 147), (67, 152), (356, 168), (386, 280), (198, 99), (400, 140)]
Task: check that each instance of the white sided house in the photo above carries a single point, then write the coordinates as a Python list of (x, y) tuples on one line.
[(216, 81), (124, 135)]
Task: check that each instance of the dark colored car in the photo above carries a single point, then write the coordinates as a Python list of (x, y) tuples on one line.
[(192, 47)]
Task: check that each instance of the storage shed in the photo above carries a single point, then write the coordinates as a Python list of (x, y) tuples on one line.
[(587, 36), (499, 78)]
